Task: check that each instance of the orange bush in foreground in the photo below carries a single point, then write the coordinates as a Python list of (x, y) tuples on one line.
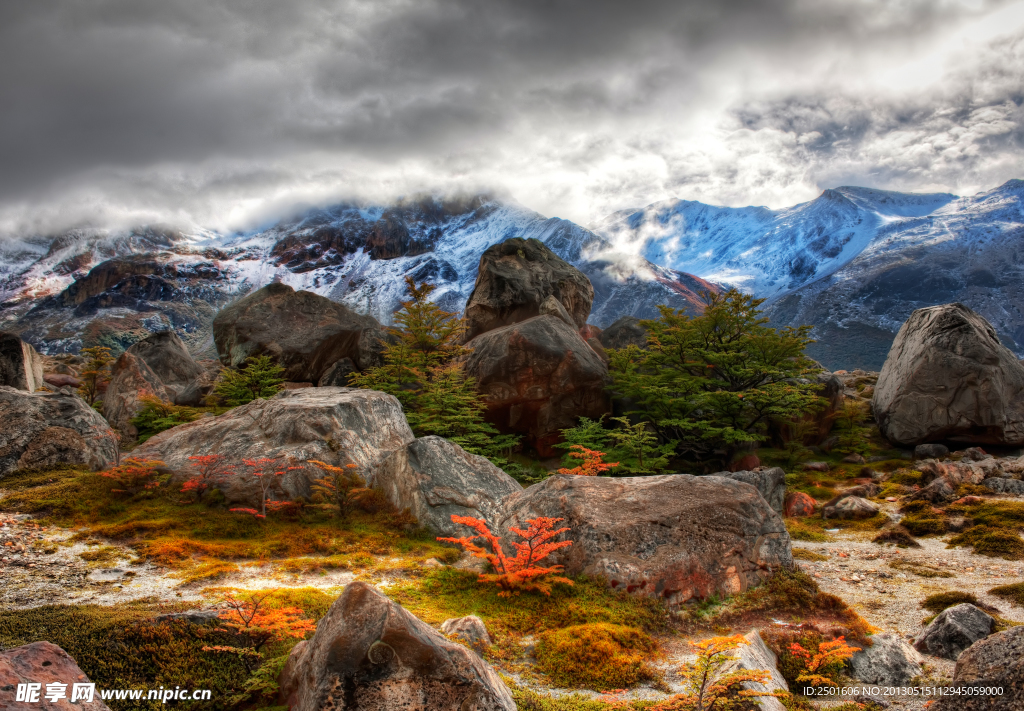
[(591, 462), (133, 475), (825, 665), (255, 625), (521, 572)]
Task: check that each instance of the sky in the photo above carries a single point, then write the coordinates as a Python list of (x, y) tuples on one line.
[(229, 114)]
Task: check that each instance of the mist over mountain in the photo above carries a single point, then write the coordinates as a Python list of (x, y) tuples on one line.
[(854, 262), (88, 287)]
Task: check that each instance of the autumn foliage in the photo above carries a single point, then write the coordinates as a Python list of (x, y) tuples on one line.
[(133, 476), (343, 488), (591, 462), (523, 571), (254, 625), (709, 686), (824, 666), (209, 469)]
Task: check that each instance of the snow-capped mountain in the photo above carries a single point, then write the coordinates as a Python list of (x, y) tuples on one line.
[(93, 286), (854, 262)]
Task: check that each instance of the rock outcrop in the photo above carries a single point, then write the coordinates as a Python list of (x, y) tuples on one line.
[(996, 661), (304, 332), (333, 425), (850, 507), (21, 367), (158, 366), (515, 279), (947, 377), (42, 430), (954, 630), (435, 479), (538, 377), (889, 661), (770, 482), (369, 653), (625, 331), (677, 537), (41, 664)]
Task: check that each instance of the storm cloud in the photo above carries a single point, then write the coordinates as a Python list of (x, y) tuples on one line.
[(224, 114)]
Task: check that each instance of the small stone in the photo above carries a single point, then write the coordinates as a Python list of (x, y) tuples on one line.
[(470, 629), (432, 563)]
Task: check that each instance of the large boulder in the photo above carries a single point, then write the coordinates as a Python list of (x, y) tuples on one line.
[(625, 331), (677, 537), (889, 661), (515, 279), (954, 630), (304, 332), (538, 378), (44, 430), (369, 653), (435, 479), (996, 661), (43, 664), (21, 366), (158, 366), (333, 425), (947, 377), (770, 482)]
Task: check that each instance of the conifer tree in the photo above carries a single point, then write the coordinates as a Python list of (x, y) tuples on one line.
[(422, 368), (713, 382), (260, 378)]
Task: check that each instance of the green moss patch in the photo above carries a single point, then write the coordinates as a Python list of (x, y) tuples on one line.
[(940, 601), (992, 542), (1014, 592), (598, 656), (898, 536), (807, 554)]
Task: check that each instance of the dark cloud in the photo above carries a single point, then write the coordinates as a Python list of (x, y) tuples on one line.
[(220, 111)]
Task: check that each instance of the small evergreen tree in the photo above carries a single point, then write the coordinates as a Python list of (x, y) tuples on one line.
[(638, 449), (713, 382), (589, 434), (95, 374), (260, 378), (422, 369)]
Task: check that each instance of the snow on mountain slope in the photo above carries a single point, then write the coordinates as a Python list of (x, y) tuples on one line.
[(94, 286), (766, 252)]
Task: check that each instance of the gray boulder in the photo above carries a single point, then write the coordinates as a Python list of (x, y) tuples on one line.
[(169, 359), (21, 366), (889, 661), (369, 654), (44, 430), (304, 332), (334, 425), (769, 482), (947, 377), (435, 478), (850, 507), (676, 537), (515, 279), (1014, 487), (625, 331), (130, 380), (42, 663), (755, 656), (931, 451), (471, 629), (538, 377), (954, 630), (996, 661)]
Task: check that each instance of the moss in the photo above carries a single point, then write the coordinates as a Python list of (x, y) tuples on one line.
[(924, 524), (165, 531), (992, 542), (807, 554), (998, 514), (898, 536), (212, 570), (906, 477), (1014, 592), (104, 554), (530, 700), (800, 530), (940, 601), (598, 656), (120, 647)]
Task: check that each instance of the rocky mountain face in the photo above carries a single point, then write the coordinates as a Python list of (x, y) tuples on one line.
[(854, 262), (95, 287)]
